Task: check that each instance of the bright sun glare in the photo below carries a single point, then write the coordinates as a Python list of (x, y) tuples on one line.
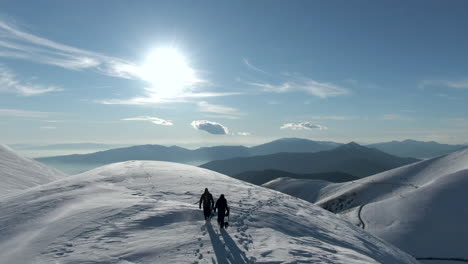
[(168, 72)]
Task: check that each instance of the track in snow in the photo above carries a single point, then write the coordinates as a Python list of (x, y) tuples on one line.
[(362, 225)]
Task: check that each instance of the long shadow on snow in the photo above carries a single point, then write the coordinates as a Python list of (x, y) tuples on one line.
[(158, 219), (226, 252)]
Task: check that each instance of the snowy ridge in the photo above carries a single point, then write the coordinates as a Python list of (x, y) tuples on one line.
[(147, 212), (421, 207), (19, 173)]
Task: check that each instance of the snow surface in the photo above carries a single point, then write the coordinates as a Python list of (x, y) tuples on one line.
[(305, 189), (147, 212), (421, 207), (19, 173)]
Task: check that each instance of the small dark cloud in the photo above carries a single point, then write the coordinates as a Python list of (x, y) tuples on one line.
[(210, 127)]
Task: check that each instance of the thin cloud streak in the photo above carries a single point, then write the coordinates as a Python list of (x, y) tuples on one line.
[(15, 43), (206, 107), (460, 84), (309, 86), (152, 119), (23, 113), (253, 67), (152, 99), (11, 84)]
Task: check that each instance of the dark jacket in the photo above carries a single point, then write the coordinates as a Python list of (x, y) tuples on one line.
[(222, 206), (207, 200)]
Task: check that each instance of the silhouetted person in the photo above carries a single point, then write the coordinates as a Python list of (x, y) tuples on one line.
[(208, 203), (223, 209)]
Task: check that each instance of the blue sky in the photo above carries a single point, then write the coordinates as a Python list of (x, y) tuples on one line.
[(203, 73)]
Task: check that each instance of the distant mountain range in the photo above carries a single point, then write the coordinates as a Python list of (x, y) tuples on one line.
[(81, 162), (64, 146), (350, 158), (416, 149), (261, 177)]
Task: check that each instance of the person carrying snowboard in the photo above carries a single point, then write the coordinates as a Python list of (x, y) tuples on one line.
[(208, 203), (223, 209)]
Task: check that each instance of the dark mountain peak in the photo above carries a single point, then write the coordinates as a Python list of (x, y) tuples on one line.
[(177, 147), (352, 145), (292, 145), (289, 140)]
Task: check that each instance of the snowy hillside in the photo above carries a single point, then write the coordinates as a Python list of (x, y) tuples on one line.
[(305, 189), (420, 208), (147, 212), (19, 173)]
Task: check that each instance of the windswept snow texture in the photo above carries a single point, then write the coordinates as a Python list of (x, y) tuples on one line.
[(421, 208), (147, 212), (19, 173)]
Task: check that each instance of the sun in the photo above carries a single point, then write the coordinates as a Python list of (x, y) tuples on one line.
[(168, 72)]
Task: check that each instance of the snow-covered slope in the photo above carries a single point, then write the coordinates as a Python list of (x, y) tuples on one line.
[(147, 212), (420, 208), (305, 189), (19, 173)]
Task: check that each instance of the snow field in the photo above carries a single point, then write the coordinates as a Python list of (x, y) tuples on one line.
[(147, 212)]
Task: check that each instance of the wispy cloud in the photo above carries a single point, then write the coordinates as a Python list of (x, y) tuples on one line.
[(23, 113), (307, 85), (302, 126), (210, 127), (154, 120), (458, 84), (15, 43), (244, 133), (10, 83), (151, 98), (48, 127), (220, 111), (446, 96), (19, 44), (253, 67)]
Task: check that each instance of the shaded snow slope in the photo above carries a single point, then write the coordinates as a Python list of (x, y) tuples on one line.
[(19, 173), (264, 176), (421, 207), (147, 212), (305, 189)]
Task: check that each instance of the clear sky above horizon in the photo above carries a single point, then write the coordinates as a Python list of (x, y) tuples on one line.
[(196, 73)]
